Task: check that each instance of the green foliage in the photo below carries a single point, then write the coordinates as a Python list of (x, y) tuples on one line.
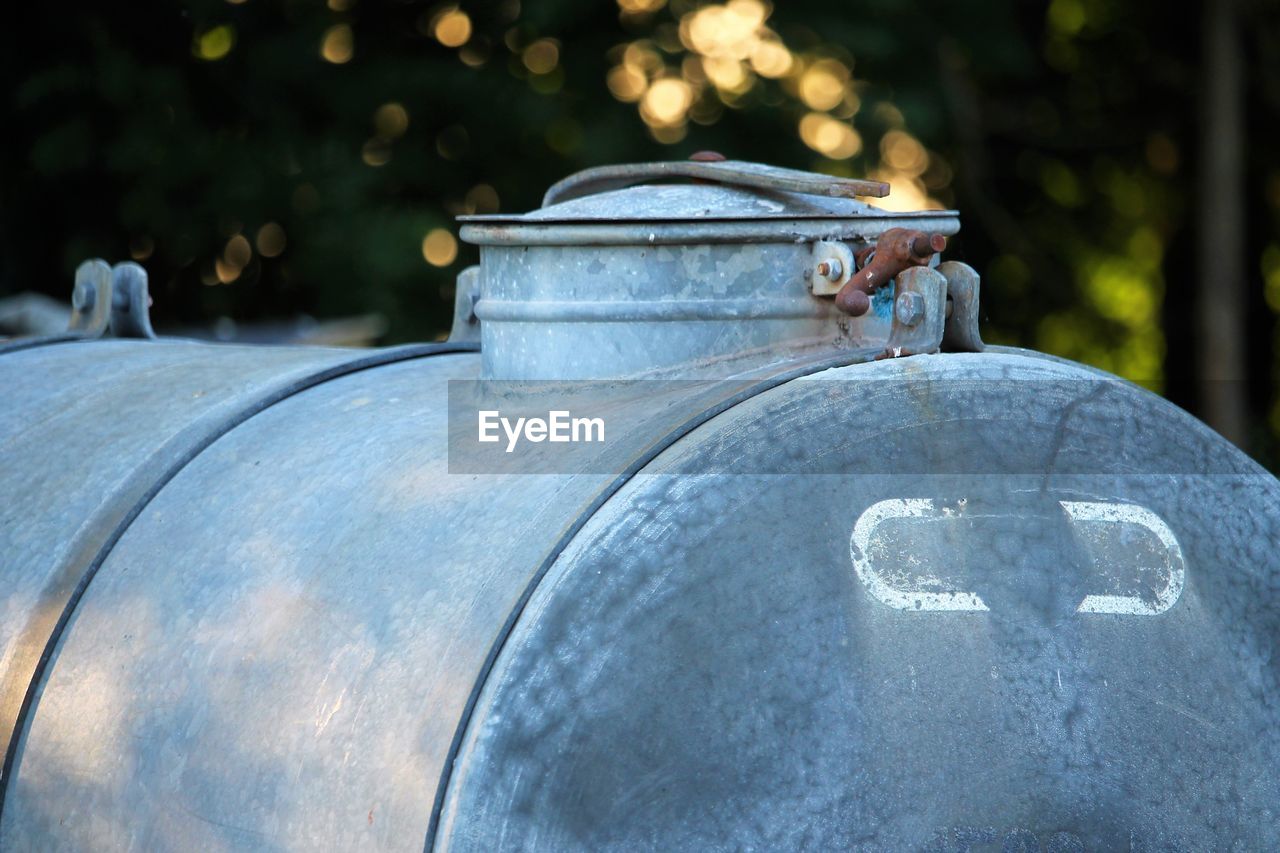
[(1063, 131)]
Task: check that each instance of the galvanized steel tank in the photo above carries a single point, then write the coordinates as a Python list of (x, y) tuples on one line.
[(802, 596)]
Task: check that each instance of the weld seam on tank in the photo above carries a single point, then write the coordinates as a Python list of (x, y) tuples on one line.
[(30, 699), (636, 466)]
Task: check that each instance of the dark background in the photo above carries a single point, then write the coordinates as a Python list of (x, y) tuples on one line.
[(1113, 163)]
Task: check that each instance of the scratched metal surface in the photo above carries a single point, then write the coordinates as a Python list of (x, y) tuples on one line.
[(552, 312), (715, 662), (261, 660), (278, 651), (85, 428), (707, 279)]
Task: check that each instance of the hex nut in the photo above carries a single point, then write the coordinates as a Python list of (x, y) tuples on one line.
[(908, 308)]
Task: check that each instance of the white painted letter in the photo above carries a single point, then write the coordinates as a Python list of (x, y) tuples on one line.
[(486, 424), (513, 435), (587, 424), (559, 426)]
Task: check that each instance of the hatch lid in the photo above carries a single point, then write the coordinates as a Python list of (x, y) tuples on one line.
[(705, 191)]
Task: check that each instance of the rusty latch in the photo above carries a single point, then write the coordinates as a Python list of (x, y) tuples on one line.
[(934, 308), (894, 251)]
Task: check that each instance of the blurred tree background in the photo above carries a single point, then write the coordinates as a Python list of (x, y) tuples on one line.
[(269, 158)]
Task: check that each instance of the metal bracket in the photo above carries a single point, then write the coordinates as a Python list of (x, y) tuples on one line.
[(130, 302), (109, 300), (961, 333), (91, 299), (466, 325), (919, 313)]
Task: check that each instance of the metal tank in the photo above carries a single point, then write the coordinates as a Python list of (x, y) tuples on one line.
[(834, 576)]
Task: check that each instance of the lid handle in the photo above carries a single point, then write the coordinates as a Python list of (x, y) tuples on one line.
[(734, 173)]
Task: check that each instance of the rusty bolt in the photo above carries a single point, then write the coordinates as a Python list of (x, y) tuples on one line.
[(908, 308), (926, 245), (831, 270)]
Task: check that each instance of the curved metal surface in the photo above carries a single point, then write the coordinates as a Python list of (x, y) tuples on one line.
[(681, 680), (166, 403), (20, 344), (552, 312), (346, 582), (314, 631), (693, 418)]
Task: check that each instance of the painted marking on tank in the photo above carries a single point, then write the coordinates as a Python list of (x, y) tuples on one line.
[(905, 589), (1084, 513), (892, 590)]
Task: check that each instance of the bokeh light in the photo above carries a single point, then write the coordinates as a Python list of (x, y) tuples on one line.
[(542, 56), (215, 43), (822, 85), (271, 240), (452, 27), (666, 102), (830, 137), (391, 120), (238, 252), (376, 152), (439, 247), (338, 44)]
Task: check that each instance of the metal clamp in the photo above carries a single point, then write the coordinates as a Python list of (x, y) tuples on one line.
[(962, 308), (130, 302), (935, 310), (919, 313), (112, 300)]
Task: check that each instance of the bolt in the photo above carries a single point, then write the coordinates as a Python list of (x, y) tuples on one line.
[(83, 296), (908, 308), (925, 245), (831, 270)]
